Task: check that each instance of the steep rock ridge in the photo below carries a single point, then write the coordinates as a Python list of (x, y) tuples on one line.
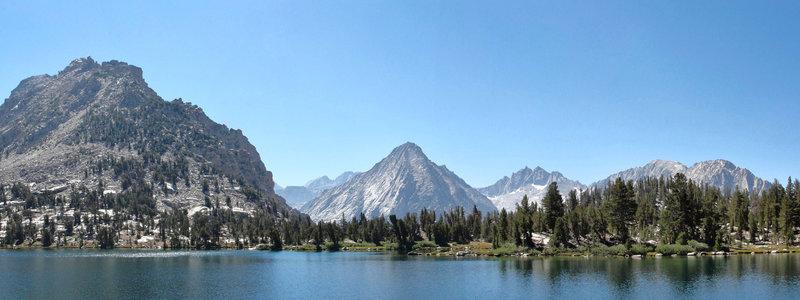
[(324, 183), (719, 173), (724, 174), (405, 181), (654, 169), (67, 129), (297, 196), (508, 191)]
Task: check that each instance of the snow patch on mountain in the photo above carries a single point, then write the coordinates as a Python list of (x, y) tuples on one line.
[(508, 191)]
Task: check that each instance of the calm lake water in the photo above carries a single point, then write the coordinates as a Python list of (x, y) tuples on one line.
[(124, 274)]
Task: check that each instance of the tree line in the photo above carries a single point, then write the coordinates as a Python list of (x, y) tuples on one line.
[(670, 210)]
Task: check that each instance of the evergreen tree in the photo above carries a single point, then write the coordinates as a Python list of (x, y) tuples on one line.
[(560, 236), (47, 237), (553, 206), (503, 227), (401, 233), (620, 207), (523, 217), (572, 200), (674, 215), (740, 207), (790, 212), (753, 228)]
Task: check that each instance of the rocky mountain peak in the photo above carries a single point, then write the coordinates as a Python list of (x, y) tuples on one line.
[(319, 181), (508, 191), (717, 163), (660, 164), (719, 173), (405, 181), (80, 65), (297, 196), (92, 113), (408, 150), (85, 68)]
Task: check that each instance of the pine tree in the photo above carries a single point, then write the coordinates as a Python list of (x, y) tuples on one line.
[(572, 200), (47, 237), (560, 236), (790, 212), (503, 226), (620, 208), (553, 206), (523, 219), (740, 207), (753, 228), (673, 214)]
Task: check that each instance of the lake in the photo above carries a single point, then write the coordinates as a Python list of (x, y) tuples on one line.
[(128, 274)]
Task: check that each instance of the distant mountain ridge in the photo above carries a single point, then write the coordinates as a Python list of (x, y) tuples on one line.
[(719, 173), (296, 196), (405, 181), (508, 191)]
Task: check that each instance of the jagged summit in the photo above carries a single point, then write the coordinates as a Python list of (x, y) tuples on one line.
[(297, 196), (508, 191), (717, 163), (55, 129), (405, 181), (407, 151), (80, 65), (720, 173)]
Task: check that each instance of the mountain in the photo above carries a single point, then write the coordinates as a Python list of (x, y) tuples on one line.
[(654, 169), (719, 173), (296, 196), (323, 183), (405, 181), (101, 125), (724, 174), (507, 192)]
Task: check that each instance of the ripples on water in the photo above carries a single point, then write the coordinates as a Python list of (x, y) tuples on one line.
[(140, 274)]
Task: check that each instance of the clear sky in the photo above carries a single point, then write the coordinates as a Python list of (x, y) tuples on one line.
[(486, 88)]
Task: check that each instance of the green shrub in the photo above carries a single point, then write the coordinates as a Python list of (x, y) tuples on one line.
[(641, 249), (681, 240), (330, 246), (534, 252), (364, 245), (506, 249), (307, 247), (670, 249), (603, 250), (699, 246), (424, 245), (391, 246), (552, 251)]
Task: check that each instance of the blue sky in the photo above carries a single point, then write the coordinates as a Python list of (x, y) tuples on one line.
[(319, 88)]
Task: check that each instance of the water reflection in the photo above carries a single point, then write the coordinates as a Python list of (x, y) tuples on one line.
[(670, 277), (246, 274)]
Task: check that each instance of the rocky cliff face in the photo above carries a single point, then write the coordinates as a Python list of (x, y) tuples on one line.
[(508, 191), (101, 124), (719, 173), (405, 181), (724, 174)]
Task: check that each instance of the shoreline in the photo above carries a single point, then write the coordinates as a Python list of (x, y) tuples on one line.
[(451, 252)]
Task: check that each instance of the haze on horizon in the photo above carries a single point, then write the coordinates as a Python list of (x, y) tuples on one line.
[(322, 88)]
